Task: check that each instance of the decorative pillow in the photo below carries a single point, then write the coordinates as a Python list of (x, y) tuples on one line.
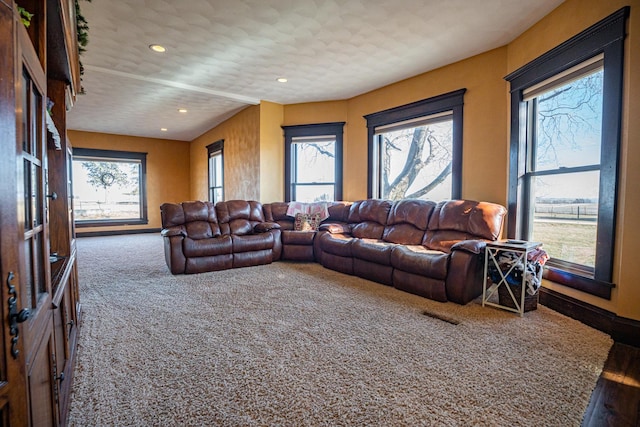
[(307, 222)]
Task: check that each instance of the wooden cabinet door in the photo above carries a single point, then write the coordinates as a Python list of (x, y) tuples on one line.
[(64, 332), (34, 278), (42, 393), (13, 390)]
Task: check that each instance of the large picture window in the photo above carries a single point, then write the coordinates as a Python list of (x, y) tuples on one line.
[(565, 115), (109, 187), (415, 151), (313, 162)]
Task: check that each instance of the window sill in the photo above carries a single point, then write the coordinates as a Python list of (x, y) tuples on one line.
[(589, 285), (110, 222)]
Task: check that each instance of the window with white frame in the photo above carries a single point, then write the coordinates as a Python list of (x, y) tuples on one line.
[(415, 151), (566, 111), (313, 162), (216, 171)]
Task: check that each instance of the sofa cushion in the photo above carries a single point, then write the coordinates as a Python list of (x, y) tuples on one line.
[(419, 260), (407, 221), (206, 247), (239, 216), (199, 211), (371, 210), (376, 251), (336, 244), (172, 214), (369, 218), (338, 211), (290, 237), (456, 220), (252, 242), (202, 229), (276, 211), (368, 230)]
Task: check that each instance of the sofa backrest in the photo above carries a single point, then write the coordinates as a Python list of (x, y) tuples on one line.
[(277, 212), (338, 212), (198, 218), (239, 216), (369, 218), (456, 220), (407, 221)]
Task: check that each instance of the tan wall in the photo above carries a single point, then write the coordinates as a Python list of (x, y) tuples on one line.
[(570, 18), (167, 169), (315, 112), (484, 172), (271, 152), (241, 134), (486, 128), (481, 75)]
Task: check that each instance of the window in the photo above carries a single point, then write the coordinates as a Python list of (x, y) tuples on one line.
[(565, 138), (216, 172), (109, 187), (415, 151), (313, 162)]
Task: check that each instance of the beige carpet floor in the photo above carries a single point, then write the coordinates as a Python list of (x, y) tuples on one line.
[(295, 344)]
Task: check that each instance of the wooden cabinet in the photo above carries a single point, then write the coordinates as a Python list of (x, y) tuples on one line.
[(40, 303)]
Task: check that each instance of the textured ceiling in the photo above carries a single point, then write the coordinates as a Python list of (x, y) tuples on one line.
[(223, 55)]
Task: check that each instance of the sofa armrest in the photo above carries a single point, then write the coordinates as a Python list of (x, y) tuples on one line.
[(336, 228), (263, 227), (173, 231), (471, 246)]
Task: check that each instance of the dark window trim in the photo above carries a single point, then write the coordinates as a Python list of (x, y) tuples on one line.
[(606, 36), (451, 101), (116, 154), (316, 129), (214, 148)]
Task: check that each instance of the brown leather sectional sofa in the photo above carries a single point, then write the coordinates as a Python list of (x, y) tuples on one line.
[(430, 249)]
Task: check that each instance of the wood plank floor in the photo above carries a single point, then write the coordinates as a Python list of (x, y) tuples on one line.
[(615, 401)]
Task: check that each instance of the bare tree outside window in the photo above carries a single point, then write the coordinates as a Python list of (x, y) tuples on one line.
[(565, 161), (106, 190), (313, 162), (417, 162), (415, 150), (314, 171)]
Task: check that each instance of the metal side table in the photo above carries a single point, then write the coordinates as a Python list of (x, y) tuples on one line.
[(492, 251)]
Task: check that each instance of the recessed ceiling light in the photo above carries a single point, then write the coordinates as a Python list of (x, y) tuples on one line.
[(157, 48), (163, 129), (281, 79), (182, 110)]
